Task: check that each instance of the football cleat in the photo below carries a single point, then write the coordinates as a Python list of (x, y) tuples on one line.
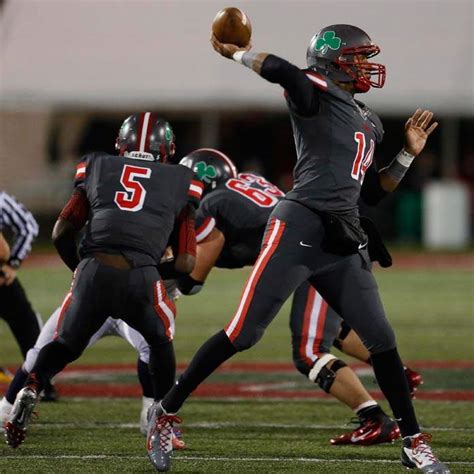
[(159, 440), (414, 379), (417, 454), (370, 432), (178, 442), (17, 423), (5, 375)]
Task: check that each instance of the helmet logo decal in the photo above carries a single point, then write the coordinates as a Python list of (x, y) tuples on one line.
[(168, 133), (329, 40), (205, 173)]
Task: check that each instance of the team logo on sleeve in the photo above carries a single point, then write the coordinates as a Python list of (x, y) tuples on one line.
[(205, 172), (328, 41)]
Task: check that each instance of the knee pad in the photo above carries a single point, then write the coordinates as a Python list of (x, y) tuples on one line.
[(324, 376)]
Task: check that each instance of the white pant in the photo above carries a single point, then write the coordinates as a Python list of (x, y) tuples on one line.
[(111, 327)]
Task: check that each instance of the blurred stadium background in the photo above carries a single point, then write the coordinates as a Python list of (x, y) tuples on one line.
[(72, 70)]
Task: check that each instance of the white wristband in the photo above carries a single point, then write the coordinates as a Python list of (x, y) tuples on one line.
[(237, 56), (405, 158)]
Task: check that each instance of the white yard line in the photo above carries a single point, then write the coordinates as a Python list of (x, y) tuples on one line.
[(184, 457), (228, 424)]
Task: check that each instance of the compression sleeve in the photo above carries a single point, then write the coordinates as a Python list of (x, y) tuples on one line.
[(301, 91), (77, 208), (186, 234)]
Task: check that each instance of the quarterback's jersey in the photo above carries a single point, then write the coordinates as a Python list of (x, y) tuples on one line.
[(133, 204), (334, 148), (239, 208)]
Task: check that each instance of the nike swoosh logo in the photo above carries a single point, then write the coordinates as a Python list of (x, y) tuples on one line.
[(304, 245), (21, 418), (361, 246), (354, 439)]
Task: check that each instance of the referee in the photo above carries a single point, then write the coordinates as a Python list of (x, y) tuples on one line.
[(15, 308)]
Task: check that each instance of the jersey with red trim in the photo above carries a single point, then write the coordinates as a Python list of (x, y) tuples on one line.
[(133, 204), (239, 208), (334, 147)]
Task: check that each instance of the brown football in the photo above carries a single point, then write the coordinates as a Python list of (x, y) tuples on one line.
[(232, 25)]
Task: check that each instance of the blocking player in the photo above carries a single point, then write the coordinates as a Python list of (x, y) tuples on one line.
[(315, 233), (131, 204), (230, 224)]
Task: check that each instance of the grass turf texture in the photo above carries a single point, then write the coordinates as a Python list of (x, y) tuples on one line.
[(431, 312)]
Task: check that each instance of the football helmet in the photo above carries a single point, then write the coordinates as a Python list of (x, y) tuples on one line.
[(145, 136), (211, 166), (341, 52)]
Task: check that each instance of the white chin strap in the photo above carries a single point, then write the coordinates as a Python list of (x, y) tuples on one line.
[(320, 363)]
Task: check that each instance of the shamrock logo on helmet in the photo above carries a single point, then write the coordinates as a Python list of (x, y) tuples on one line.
[(329, 40), (168, 133), (205, 172)]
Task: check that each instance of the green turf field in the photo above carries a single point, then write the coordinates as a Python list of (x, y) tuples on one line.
[(431, 311)]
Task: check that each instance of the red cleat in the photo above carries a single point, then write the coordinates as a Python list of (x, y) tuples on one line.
[(370, 432), (414, 379)]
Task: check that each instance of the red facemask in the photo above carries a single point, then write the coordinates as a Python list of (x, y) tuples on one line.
[(364, 73)]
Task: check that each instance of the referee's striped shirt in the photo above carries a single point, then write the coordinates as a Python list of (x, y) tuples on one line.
[(15, 217)]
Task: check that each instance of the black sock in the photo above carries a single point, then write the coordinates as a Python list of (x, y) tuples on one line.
[(144, 378), (207, 359), (16, 385), (373, 412), (52, 358), (391, 378), (162, 368)]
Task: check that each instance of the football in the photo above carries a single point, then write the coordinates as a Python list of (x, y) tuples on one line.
[(232, 25)]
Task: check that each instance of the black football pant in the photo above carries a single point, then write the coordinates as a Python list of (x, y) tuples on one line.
[(291, 254), (136, 296), (16, 310)]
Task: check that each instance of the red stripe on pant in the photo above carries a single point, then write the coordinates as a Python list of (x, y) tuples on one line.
[(64, 307), (270, 244), (164, 308), (306, 323)]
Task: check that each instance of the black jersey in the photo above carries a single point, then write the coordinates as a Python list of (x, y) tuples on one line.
[(240, 209), (133, 204), (334, 147)]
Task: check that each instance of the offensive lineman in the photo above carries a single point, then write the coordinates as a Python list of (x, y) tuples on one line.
[(131, 204), (315, 233)]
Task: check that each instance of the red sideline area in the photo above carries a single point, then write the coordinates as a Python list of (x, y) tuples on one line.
[(401, 260), (249, 390)]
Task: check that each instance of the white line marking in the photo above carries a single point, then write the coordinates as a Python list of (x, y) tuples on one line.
[(227, 424), (184, 457)]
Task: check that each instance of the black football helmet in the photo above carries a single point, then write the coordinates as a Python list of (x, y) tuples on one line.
[(145, 136), (211, 166), (335, 52)]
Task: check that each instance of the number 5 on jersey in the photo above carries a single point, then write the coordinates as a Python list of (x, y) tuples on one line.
[(132, 200)]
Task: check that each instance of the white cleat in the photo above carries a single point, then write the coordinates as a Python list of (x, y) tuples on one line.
[(417, 454), (159, 442), (17, 423)]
